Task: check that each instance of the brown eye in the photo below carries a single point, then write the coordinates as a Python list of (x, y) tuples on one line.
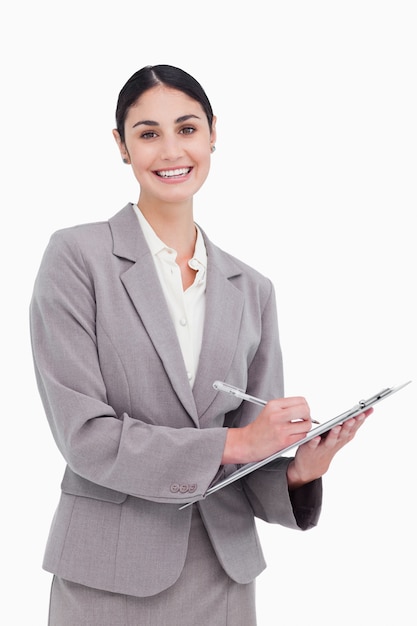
[(150, 134), (188, 130)]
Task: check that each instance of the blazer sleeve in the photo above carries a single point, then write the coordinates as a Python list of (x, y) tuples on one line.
[(115, 451), (267, 490)]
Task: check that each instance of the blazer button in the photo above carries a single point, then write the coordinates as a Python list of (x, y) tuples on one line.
[(174, 488), (183, 488), (192, 488)]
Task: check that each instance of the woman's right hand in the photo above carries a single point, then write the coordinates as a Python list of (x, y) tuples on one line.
[(282, 422)]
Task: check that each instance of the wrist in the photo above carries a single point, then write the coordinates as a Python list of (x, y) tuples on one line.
[(235, 449), (293, 477)]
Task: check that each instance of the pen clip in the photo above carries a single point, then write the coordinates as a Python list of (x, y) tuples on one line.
[(219, 385)]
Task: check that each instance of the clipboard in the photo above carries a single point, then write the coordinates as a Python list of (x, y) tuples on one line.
[(357, 409)]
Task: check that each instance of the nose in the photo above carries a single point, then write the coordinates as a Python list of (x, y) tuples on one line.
[(171, 148)]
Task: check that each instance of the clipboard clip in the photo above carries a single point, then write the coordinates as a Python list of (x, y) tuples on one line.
[(364, 404)]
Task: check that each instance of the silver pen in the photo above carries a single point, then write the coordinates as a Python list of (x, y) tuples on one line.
[(238, 393)]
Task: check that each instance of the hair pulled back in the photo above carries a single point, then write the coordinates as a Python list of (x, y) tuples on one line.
[(152, 75)]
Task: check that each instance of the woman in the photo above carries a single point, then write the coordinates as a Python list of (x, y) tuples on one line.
[(132, 320)]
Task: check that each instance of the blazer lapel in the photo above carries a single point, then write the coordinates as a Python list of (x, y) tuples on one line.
[(142, 284), (224, 308)]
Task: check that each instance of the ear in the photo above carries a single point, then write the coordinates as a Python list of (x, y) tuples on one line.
[(123, 151), (213, 134)]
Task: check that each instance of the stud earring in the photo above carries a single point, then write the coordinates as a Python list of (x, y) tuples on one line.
[(125, 161), (213, 148)]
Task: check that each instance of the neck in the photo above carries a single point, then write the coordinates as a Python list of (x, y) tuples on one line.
[(174, 225)]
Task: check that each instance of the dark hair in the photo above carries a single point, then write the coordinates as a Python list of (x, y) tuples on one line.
[(153, 75)]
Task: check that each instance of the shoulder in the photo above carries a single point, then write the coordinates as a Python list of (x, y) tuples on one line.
[(82, 249), (89, 240), (75, 251), (83, 235)]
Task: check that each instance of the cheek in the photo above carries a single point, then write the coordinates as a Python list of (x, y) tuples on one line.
[(141, 161), (204, 158), (140, 171)]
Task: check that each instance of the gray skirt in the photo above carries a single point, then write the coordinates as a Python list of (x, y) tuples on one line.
[(203, 594)]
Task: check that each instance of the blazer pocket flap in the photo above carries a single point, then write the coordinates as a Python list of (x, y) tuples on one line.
[(76, 485)]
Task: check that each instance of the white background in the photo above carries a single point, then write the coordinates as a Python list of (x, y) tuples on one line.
[(313, 182)]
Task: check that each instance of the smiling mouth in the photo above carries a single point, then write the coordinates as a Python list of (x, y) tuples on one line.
[(181, 171)]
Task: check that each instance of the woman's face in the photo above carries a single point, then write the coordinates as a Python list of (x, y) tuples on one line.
[(168, 144)]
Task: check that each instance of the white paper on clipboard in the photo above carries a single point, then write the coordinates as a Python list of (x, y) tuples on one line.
[(357, 409)]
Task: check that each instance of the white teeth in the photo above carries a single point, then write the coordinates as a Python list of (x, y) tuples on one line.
[(178, 172)]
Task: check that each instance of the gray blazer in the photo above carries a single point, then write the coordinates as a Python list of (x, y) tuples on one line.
[(137, 440)]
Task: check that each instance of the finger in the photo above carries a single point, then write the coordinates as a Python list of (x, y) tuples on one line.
[(290, 402), (297, 418), (314, 443), (291, 429)]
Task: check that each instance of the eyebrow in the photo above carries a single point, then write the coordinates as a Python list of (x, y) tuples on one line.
[(179, 120)]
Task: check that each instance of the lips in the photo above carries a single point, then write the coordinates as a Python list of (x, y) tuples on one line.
[(181, 171)]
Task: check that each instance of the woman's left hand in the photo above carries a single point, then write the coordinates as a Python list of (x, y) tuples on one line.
[(313, 458)]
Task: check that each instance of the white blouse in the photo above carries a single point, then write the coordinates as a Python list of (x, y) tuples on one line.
[(187, 307)]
